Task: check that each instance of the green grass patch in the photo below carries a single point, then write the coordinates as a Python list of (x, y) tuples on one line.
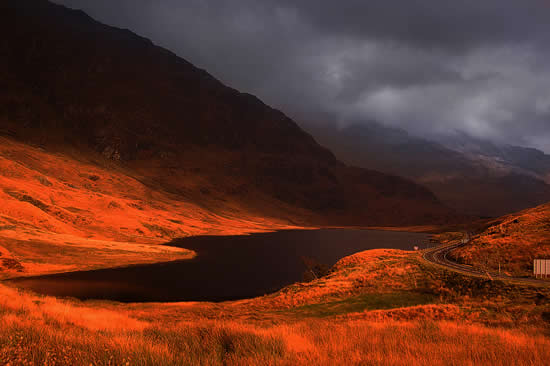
[(378, 301)]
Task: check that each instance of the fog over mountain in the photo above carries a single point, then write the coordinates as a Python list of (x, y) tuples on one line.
[(430, 67), (471, 175)]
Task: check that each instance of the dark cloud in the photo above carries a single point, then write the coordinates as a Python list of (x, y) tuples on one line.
[(429, 66), (429, 23)]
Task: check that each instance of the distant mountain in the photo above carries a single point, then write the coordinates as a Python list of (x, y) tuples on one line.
[(502, 159), (71, 84), (471, 175)]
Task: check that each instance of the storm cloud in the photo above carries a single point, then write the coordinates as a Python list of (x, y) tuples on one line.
[(431, 67)]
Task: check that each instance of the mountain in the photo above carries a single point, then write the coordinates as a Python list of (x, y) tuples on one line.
[(503, 158), (114, 107), (513, 241), (473, 176)]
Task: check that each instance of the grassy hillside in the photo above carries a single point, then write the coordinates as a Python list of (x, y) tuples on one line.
[(513, 241), (63, 211)]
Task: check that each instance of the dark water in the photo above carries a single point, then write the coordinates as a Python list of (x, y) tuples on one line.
[(226, 268)]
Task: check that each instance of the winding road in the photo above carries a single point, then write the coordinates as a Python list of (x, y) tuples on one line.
[(438, 256)]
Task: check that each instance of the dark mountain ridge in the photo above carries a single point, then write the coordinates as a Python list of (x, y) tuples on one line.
[(90, 75), (69, 81)]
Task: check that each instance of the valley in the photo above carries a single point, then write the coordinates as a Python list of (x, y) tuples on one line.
[(151, 214)]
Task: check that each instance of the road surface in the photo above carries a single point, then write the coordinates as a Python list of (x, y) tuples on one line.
[(438, 256)]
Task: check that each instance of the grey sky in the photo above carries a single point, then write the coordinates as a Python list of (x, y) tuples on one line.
[(428, 66)]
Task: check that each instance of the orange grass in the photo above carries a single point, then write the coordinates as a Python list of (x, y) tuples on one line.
[(54, 333), (71, 211), (271, 330), (512, 241), (83, 196)]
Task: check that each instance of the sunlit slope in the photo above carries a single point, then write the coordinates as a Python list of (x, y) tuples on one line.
[(513, 241), (62, 212)]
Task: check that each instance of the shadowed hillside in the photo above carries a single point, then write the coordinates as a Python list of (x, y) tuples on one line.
[(73, 84)]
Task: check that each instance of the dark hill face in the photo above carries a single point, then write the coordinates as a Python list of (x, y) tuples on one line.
[(123, 93), (68, 80)]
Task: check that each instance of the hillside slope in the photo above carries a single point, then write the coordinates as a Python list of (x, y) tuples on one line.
[(513, 241), (61, 212), (71, 83)]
